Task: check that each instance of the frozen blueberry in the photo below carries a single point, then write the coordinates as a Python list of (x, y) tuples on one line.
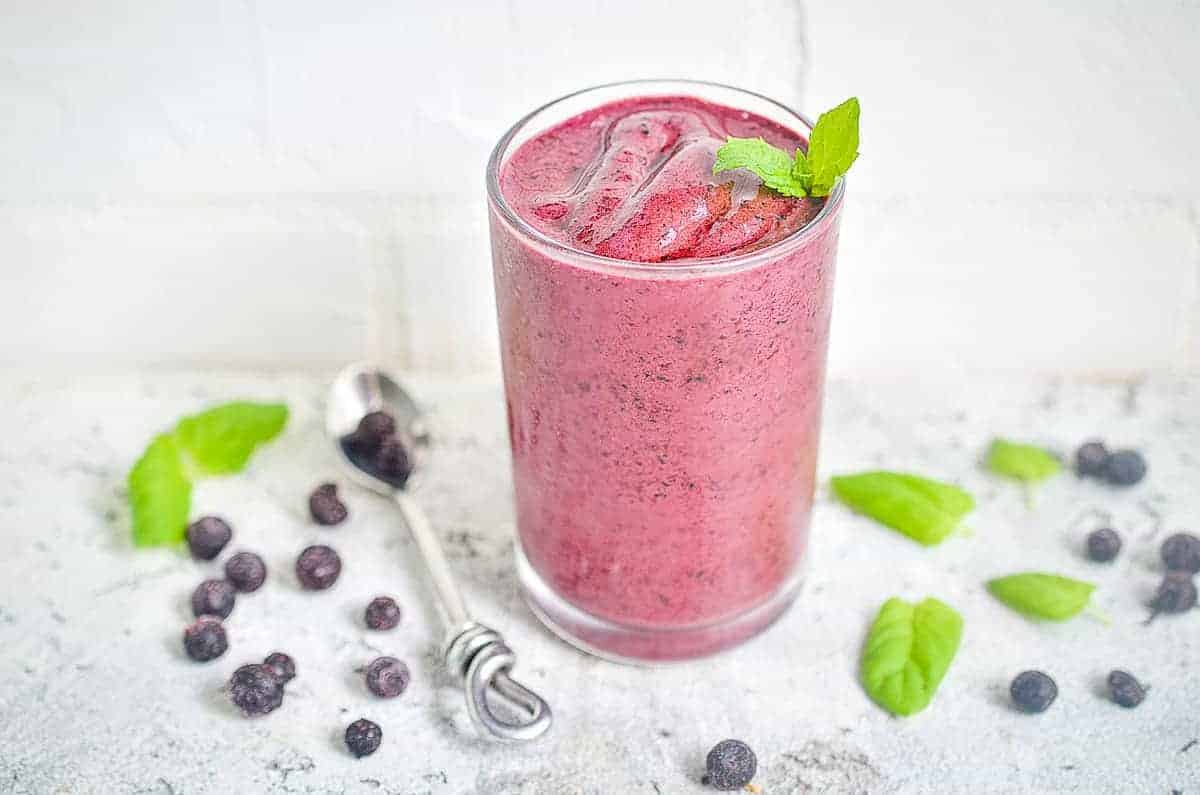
[(318, 567), (1125, 468), (372, 429), (1033, 691), (246, 571), (255, 690), (1181, 552), (387, 677), (730, 765), (1090, 459), (282, 666), (205, 639), (1176, 594), (1103, 544), (363, 737), (213, 598), (325, 507), (207, 536), (392, 462), (1125, 689), (383, 613)]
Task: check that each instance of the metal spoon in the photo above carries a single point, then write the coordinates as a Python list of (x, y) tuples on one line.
[(473, 652)]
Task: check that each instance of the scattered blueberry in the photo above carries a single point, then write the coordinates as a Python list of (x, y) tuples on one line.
[(325, 507), (207, 536), (392, 462), (383, 613), (387, 677), (318, 567), (255, 690), (213, 598), (1125, 689), (1033, 691), (1176, 594), (1125, 468), (363, 737), (205, 639), (282, 666), (246, 571), (1103, 544), (730, 765), (1090, 459), (1181, 552)]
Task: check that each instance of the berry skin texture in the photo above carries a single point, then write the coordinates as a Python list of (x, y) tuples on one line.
[(207, 536), (730, 765), (213, 598), (392, 462), (1033, 691), (1181, 552), (1125, 468), (1176, 594), (325, 506), (372, 429), (282, 666), (382, 613), (363, 737), (1103, 545), (1090, 459), (318, 567), (1125, 689), (387, 677), (246, 571), (205, 639), (255, 690)]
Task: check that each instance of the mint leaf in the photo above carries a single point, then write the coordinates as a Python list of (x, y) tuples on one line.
[(160, 494), (221, 439), (1045, 596), (833, 146), (772, 165), (923, 509), (907, 653), (1023, 462)]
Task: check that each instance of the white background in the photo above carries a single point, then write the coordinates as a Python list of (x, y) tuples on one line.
[(288, 183)]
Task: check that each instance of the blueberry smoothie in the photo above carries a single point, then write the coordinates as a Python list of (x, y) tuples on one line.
[(663, 335)]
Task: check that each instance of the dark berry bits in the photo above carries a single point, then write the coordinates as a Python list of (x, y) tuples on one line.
[(1176, 594), (730, 765), (205, 639), (1090, 459), (207, 536), (255, 690), (376, 447), (213, 598), (371, 431), (392, 462), (282, 666), (1125, 468), (383, 613), (1033, 691), (387, 677), (363, 737), (1181, 552), (1125, 689), (325, 506), (318, 567), (1103, 545), (246, 571)]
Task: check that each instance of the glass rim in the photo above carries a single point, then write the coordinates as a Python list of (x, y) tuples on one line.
[(708, 265)]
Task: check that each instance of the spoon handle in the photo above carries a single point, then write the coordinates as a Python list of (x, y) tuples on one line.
[(454, 610)]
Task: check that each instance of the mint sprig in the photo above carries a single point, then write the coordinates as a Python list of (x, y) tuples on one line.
[(1038, 595), (832, 149), (221, 439), (1023, 462), (160, 494), (907, 653), (925, 510)]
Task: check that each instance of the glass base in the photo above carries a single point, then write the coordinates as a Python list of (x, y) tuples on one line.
[(635, 645)]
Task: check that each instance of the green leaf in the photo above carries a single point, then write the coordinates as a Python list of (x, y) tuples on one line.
[(907, 653), (833, 147), (772, 165), (221, 439), (923, 509), (160, 494), (1023, 462), (1045, 596)]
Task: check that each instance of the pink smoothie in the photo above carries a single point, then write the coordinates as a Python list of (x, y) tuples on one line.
[(663, 420)]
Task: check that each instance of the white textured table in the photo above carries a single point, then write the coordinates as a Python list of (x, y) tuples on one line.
[(96, 695)]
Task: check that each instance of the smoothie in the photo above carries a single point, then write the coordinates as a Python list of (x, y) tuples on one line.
[(663, 336)]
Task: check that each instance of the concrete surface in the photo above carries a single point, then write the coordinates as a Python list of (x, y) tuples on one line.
[(96, 696)]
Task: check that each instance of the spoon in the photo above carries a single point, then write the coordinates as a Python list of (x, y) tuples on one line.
[(473, 652)]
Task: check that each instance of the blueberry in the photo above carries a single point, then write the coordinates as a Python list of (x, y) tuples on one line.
[(207, 536), (213, 598), (1033, 691), (318, 567), (1090, 459), (387, 677), (245, 571), (282, 666), (1181, 552), (205, 639), (730, 765), (1125, 689), (372, 429), (255, 690), (1176, 594), (363, 737), (1125, 468), (383, 613), (1103, 545), (325, 507), (392, 462)]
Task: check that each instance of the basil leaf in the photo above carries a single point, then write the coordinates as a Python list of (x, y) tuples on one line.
[(1042, 596), (1023, 462), (160, 494), (907, 653), (221, 439), (923, 509)]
